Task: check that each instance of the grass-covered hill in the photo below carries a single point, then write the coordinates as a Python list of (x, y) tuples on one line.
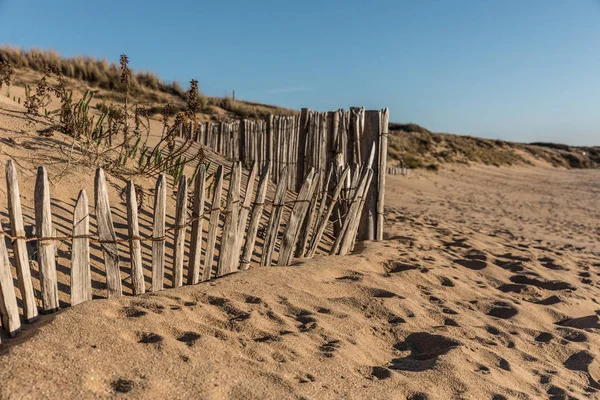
[(417, 147)]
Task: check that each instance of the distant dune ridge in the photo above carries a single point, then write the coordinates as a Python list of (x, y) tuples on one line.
[(485, 287)]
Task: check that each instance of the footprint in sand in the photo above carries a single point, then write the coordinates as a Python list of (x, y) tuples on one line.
[(572, 335), (548, 285), (381, 373), (548, 301), (121, 385), (425, 349), (394, 267), (329, 348), (584, 361), (544, 337), (503, 310), (150, 338), (189, 338), (513, 266), (587, 322), (472, 264)]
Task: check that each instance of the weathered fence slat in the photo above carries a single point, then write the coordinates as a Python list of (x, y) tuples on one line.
[(350, 234), (213, 224), (21, 256), (257, 212), (9, 311), (227, 257), (244, 211), (135, 246), (290, 236), (275, 220), (106, 233), (158, 233), (354, 212), (180, 229), (322, 222), (46, 254), (197, 222), (307, 223), (383, 140), (81, 280)]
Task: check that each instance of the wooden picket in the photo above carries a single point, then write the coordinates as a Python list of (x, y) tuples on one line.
[(19, 245), (81, 283)]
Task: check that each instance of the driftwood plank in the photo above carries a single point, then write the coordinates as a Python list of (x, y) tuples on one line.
[(257, 212), (227, 261), (292, 231), (81, 280), (383, 140), (158, 233), (322, 224), (180, 229), (275, 220), (244, 211), (106, 233), (21, 256), (197, 222), (135, 247), (46, 256), (9, 311), (213, 224)]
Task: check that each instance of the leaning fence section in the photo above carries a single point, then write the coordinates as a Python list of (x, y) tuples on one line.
[(217, 223), (292, 145)]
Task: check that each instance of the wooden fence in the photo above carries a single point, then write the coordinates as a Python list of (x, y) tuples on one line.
[(312, 139), (226, 245)]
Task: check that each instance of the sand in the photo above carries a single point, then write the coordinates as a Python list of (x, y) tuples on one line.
[(485, 288)]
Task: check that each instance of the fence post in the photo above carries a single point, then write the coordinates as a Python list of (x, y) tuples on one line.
[(213, 225), (198, 220), (46, 255), (106, 233), (21, 256), (180, 229), (307, 222), (158, 233), (81, 280)]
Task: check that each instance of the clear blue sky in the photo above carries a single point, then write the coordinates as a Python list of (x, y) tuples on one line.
[(521, 70)]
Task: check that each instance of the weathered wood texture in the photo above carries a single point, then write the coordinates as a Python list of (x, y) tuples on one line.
[(158, 233), (213, 224), (228, 262), (180, 230), (135, 246), (9, 311), (257, 212), (81, 280), (274, 221), (21, 256), (46, 244), (106, 233), (197, 223), (292, 231)]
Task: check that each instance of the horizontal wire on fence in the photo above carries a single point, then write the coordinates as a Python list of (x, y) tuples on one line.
[(173, 228)]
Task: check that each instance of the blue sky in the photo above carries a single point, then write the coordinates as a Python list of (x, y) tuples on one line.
[(522, 70)]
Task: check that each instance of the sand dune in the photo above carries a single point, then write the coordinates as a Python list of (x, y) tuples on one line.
[(486, 287)]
